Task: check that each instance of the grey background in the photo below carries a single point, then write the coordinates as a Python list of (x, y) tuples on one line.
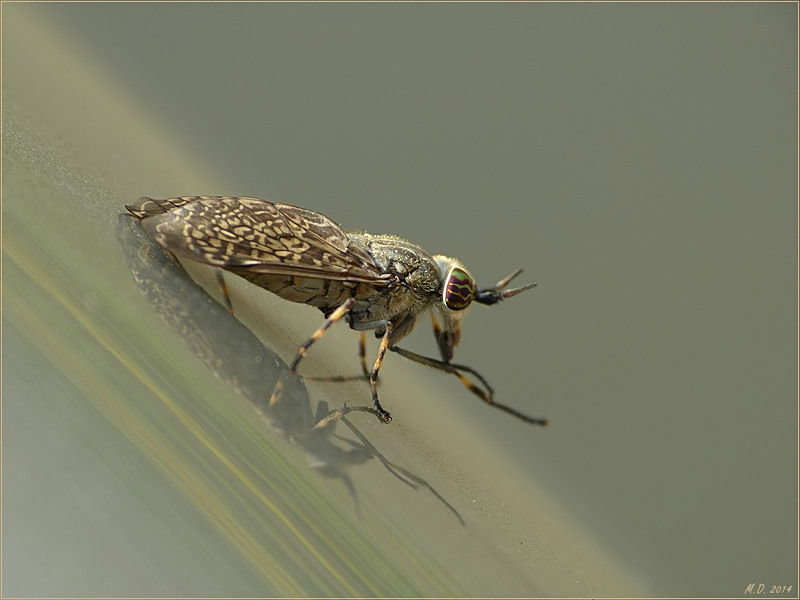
[(638, 160)]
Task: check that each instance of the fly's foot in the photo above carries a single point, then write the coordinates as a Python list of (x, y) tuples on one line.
[(383, 415)]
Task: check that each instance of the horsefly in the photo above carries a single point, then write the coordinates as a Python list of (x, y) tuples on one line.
[(372, 282)]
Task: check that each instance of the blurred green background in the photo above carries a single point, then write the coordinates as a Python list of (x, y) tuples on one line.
[(638, 160)]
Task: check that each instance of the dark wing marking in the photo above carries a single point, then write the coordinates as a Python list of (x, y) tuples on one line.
[(257, 236)]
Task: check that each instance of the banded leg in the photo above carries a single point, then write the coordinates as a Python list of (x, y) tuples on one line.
[(362, 356), (377, 409), (486, 395), (362, 352), (373, 374), (302, 351)]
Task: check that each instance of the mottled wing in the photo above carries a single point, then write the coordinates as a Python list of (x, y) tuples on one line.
[(257, 236)]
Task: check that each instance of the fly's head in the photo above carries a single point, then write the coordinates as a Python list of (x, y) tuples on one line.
[(458, 291)]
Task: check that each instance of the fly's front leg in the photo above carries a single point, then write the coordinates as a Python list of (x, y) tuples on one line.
[(487, 395), (303, 349), (373, 374)]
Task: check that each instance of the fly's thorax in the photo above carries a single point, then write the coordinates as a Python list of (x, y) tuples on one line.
[(413, 268), (456, 292), (413, 283)]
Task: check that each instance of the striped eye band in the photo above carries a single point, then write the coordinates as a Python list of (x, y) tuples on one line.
[(458, 290)]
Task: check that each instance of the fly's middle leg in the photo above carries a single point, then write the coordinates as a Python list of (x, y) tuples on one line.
[(373, 374)]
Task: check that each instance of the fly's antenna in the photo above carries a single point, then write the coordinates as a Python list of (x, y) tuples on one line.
[(498, 292)]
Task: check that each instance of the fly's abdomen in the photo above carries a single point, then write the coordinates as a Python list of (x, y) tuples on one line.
[(322, 293)]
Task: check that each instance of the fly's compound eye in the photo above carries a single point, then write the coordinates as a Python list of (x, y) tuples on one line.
[(458, 290)]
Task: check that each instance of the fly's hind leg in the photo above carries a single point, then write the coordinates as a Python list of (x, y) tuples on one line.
[(226, 297), (302, 351), (362, 357)]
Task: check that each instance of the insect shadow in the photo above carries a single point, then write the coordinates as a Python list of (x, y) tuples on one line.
[(237, 357)]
